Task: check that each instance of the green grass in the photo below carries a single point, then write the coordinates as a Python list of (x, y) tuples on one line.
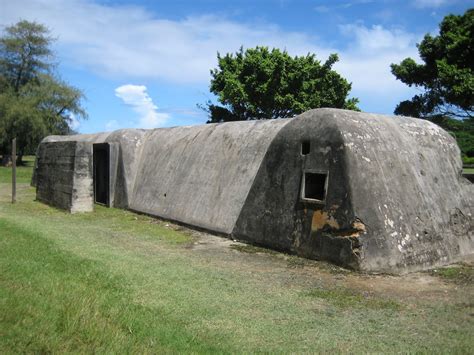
[(23, 173), (468, 170), (117, 282), (55, 301), (457, 273)]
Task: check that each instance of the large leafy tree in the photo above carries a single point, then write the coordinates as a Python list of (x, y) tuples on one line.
[(34, 102), (446, 75), (446, 78), (260, 83)]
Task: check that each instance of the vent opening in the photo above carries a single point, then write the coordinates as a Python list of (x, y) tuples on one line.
[(314, 186), (305, 147)]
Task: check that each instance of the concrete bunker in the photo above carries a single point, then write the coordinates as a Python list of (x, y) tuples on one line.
[(370, 192)]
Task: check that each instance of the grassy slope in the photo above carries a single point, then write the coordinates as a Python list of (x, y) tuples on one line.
[(113, 281)]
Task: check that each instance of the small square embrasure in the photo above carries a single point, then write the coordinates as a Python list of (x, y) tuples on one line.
[(314, 187), (305, 147)]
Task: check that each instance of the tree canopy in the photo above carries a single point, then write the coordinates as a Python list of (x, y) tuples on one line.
[(34, 101), (446, 77), (463, 131), (447, 74), (260, 83)]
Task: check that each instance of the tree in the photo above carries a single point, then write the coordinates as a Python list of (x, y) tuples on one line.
[(447, 75), (463, 131), (260, 83), (446, 78), (34, 101)]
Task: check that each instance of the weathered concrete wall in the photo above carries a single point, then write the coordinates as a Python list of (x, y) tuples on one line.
[(125, 152), (395, 199), (64, 175), (275, 215), (406, 186), (126, 155), (82, 188), (54, 173), (201, 175)]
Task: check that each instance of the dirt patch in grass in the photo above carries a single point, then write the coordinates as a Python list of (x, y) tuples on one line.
[(346, 298), (419, 286)]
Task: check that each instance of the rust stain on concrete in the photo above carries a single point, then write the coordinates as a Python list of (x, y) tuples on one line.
[(322, 219)]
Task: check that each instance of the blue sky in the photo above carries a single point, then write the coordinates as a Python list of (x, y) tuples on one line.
[(146, 63)]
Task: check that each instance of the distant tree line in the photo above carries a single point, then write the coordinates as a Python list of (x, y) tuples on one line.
[(34, 101)]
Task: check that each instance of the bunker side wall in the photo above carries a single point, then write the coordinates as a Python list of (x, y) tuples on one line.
[(125, 154), (406, 187), (201, 175), (55, 164)]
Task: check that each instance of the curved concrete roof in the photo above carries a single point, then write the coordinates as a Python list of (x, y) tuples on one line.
[(201, 175)]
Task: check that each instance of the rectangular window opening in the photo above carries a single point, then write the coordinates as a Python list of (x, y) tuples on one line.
[(305, 147), (314, 186)]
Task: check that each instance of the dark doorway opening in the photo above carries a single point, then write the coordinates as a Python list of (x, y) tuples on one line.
[(101, 153)]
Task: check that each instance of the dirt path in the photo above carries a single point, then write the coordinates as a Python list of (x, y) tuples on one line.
[(458, 287)]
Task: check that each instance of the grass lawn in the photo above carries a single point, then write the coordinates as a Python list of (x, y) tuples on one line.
[(468, 170), (113, 281), (23, 173)]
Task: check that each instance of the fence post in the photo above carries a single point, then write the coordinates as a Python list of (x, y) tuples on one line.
[(14, 170)]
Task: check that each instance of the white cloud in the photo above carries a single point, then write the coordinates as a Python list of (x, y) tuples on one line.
[(430, 3), (367, 61), (129, 43), (377, 38), (137, 97), (74, 124)]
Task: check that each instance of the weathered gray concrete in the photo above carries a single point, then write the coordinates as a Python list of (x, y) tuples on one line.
[(126, 146), (201, 175), (63, 175), (406, 184), (395, 198)]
